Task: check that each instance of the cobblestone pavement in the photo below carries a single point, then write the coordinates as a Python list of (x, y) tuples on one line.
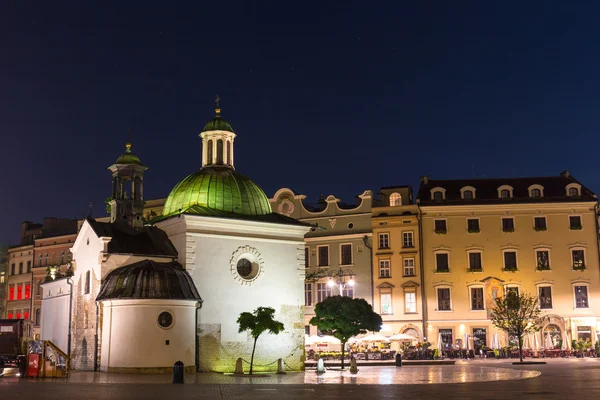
[(560, 378)]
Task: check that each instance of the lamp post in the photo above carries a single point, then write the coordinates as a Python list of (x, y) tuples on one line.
[(342, 278)]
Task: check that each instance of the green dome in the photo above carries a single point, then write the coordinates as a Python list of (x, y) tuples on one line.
[(218, 188), (128, 157), (217, 124)]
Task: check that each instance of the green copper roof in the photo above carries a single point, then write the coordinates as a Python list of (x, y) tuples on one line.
[(217, 124), (218, 188), (128, 157)]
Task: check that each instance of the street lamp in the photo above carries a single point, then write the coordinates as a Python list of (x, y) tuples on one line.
[(342, 278)]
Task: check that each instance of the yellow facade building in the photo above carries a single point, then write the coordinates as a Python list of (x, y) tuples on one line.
[(484, 237), (397, 271)]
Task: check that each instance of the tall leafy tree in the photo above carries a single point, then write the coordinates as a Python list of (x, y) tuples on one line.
[(257, 322), (518, 315), (344, 317)]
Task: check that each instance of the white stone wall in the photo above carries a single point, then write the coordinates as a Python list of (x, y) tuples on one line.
[(280, 285), (55, 313), (132, 337)]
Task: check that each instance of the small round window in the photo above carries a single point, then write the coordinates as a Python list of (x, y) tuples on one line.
[(165, 319), (246, 268)]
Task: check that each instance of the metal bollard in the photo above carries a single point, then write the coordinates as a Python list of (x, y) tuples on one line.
[(178, 372), (398, 360)]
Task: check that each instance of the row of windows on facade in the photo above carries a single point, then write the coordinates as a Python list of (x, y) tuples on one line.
[(42, 262), (474, 259), (504, 192), (18, 314), (19, 292), (323, 291), (477, 300), (507, 225), (323, 255), (542, 260)]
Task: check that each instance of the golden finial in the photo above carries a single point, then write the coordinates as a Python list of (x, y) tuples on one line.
[(218, 109), (128, 144)]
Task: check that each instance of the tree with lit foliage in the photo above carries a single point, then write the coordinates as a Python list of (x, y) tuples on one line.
[(344, 317), (257, 322), (517, 315)]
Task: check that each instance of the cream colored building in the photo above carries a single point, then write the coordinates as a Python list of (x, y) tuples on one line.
[(483, 237), (338, 247), (397, 275)]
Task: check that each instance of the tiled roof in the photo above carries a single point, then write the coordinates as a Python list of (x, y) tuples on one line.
[(149, 279), (149, 240), (486, 190)]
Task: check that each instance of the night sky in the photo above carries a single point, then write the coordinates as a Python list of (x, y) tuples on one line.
[(326, 98)]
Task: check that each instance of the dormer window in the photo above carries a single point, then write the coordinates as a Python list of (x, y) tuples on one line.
[(573, 189), (505, 192), (438, 194), (395, 199), (536, 191), (467, 193)]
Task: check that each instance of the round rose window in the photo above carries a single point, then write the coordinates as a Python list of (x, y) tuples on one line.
[(165, 319)]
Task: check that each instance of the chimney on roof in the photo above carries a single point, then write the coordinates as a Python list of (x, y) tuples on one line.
[(565, 173), (424, 179)]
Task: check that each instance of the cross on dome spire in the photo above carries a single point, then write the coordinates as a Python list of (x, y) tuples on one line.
[(128, 144), (218, 109)]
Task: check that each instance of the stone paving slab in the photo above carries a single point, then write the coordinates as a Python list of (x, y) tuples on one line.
[(416, 375)]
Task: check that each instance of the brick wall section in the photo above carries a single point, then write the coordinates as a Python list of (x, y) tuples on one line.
[(221, 356), (83, 326)]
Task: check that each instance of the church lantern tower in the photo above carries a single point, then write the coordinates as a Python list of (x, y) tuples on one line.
[(127, 200), (217, 141)]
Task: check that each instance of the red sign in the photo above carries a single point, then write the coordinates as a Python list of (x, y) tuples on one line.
[(33, 365)]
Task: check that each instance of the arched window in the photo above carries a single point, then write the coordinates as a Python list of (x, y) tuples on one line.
[(228, 152), (220, 152), (40, 263), (62, 257), (38, 316), (87, 284), (552, 337), (411, 332), (505, 194), (536, 193), (209, 153), (438, 196), (573, 192), (468, 195), (395, 199)]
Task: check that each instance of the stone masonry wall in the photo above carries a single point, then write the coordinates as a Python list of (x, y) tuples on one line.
[(221, 356), (84, 323)]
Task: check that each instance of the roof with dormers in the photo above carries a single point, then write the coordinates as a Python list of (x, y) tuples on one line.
[(486, 190)]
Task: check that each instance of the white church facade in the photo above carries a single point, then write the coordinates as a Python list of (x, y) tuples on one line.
[(145, 296)]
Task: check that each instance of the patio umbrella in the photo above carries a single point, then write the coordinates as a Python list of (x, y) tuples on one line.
[(526, 344), (537, 342), (401, 337), (565, 342), (354, 340), (376, 337), (466, 342), (324, 339), (495, 344), (440, 344), (548, 343)]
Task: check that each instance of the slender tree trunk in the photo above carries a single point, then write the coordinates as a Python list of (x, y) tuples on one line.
[(343, 347), (252, 358), (521, 347)]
